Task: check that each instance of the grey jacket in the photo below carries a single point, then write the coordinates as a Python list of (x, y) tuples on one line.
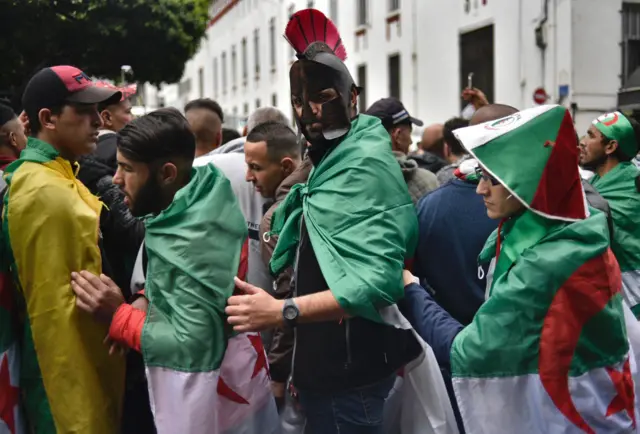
[(419, 181)]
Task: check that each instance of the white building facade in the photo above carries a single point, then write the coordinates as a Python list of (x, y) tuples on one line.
[(581, 52)]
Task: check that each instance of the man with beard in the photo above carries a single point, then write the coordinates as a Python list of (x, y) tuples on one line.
[(193, 241), (607, 149), (351, 226)]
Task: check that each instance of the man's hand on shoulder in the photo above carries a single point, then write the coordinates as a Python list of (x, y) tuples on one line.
[(99, 296)]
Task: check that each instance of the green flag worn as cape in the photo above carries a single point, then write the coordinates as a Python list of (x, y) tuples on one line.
[(618, 187), (194, 249), (542, 344), (360, 218)]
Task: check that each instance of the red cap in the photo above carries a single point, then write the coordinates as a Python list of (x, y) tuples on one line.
[(59, 85)]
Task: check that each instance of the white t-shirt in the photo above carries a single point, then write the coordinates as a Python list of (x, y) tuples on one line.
[(233, 166)]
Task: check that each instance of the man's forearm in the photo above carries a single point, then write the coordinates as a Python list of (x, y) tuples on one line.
[(318, 307)]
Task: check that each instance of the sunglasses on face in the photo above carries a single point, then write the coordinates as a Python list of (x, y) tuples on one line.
[(485, 176)]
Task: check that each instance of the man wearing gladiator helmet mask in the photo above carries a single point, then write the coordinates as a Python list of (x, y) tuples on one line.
[(347, 232)]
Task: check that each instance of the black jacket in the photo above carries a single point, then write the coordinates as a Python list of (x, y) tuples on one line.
[(337, 356), (428, 161), (121, 232)]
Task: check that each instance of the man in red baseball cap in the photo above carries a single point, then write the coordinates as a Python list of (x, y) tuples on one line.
[(50, 228), (61, 103)]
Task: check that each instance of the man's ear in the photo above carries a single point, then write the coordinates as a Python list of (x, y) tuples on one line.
[(395, 135), (446, 150), (168, 173), (611, 147), (288, 165), (106, 118), (219, 138), (13, 141), (47, 119)]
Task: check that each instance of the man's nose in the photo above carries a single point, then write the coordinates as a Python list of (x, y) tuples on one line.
[(249, 176), (96, 119), (315, 108), (483, 188), (117, 178)]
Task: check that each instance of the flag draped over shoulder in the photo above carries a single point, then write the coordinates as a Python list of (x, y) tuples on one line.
[(360, 218), (68, 380), (538, 345), (362, 225), (193, 250), (548, 351), (618, 187)]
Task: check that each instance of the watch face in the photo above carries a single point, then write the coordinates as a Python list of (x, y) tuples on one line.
[(290, 313)]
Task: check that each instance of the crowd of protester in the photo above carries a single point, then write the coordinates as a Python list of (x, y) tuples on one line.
[(167, 274)]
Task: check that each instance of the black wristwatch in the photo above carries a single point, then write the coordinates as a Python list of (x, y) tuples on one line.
[(290, 313)]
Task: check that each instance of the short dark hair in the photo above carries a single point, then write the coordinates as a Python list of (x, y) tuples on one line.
[(447, 133), (34, 121), (281, 140), (160, 135), (229, 134), (207, 104), (6, 113)]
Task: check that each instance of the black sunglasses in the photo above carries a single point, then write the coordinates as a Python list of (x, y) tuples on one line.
[(483, 175)]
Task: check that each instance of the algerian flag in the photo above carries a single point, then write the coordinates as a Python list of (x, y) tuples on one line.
[(548, 351), (200, 379), (619, 189), (543, 142), (10, 416)]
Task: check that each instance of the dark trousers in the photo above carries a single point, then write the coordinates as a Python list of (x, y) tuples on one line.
[(356, 411), (136, 413)]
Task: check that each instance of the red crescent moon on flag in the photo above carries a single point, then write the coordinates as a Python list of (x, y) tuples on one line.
[(613, 120), (585, 293)]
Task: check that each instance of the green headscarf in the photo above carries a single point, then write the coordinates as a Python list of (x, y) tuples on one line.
[(616, 126)]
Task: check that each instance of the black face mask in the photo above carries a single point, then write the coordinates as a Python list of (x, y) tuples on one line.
[(321, 84)]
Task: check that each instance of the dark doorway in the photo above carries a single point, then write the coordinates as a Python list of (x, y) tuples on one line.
[(394, 76), (476, 55), (362, 82)]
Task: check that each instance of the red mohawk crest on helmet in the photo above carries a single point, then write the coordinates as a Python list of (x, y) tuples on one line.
[(309, 31)]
